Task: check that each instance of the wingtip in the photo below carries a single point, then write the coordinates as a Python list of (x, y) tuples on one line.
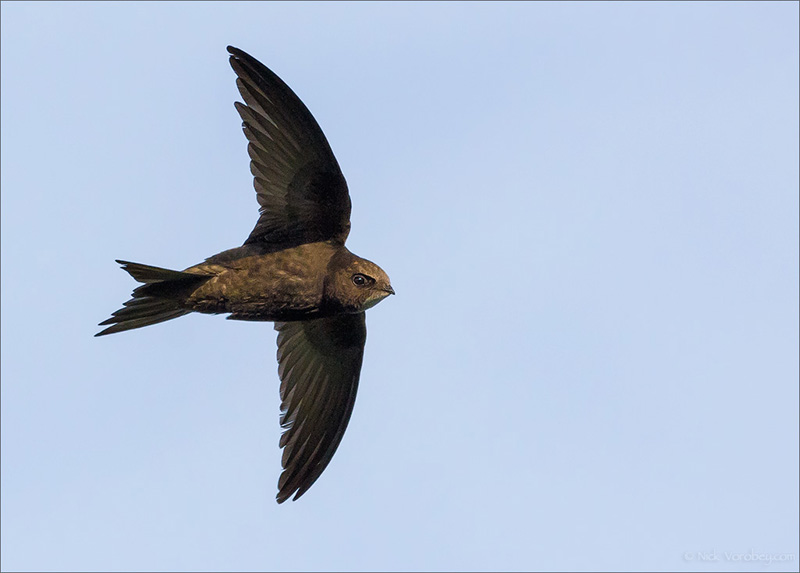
[(283, 495), (236, 52)]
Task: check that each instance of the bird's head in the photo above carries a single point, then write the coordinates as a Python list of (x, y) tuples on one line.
[(355, 283)]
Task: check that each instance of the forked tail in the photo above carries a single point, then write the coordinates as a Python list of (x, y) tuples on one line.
[(159, 299)]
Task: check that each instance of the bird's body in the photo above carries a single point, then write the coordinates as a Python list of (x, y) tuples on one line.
[(291, 284), (293, 269), (282, 285)]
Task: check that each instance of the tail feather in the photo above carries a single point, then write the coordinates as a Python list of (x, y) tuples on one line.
[(159, 299), (148, 274)]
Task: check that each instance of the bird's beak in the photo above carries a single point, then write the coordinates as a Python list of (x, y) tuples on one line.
[(389, 289)]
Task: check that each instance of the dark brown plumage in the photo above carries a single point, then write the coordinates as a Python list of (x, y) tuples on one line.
[(293, 269)]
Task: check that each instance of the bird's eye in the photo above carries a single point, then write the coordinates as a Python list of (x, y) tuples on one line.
[(361, 280)]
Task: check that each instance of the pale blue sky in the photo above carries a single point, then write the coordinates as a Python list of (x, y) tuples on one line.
[(590, 215)]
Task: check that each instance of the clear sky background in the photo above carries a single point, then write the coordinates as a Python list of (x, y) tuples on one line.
[(590, 215)]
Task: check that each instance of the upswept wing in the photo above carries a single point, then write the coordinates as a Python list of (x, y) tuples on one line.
[(301, 190)]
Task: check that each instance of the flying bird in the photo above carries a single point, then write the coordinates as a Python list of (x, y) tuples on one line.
[(293, 270)]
